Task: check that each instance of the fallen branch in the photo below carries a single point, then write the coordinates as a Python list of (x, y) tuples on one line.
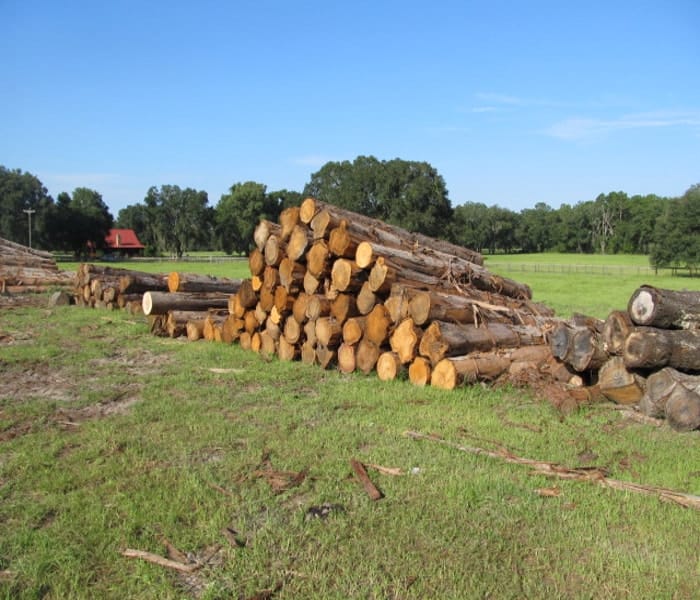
[(593, 474), (161, 561), (361, 473)]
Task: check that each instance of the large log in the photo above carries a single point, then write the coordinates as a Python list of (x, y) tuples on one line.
[(367, 228), (683, 409), (176, 323), (665, 309), (617, 327), (618, 384), (660, 385), (159, 303), (193, 282), (404, 340), (651, 348), (580, 346), (135, 282), (420, 371), (442, 339), (389, 366)]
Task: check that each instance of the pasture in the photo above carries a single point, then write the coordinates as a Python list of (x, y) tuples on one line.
[(111, 439)]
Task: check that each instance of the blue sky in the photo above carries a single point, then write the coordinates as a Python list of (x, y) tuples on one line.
[(513, 103)]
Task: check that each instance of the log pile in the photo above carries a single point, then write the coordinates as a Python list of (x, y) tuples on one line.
[(338, 289), (26, 269), (647, 356)]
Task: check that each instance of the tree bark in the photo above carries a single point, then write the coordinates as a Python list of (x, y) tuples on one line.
[(581, 346), (137, 283), (660, 385), (683, 409), (191, 282), (454, 371), (650, 348), (665, 309)]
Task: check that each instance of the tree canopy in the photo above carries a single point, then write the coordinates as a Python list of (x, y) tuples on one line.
[(20, 191)]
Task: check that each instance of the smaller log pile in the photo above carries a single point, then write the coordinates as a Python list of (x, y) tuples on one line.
[(26, 269), (647, 356)]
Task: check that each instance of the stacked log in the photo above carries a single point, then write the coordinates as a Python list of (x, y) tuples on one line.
[(338, 289), (26, 269), (647, 356)]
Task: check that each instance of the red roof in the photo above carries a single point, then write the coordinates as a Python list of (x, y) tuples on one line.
[(123, 238)]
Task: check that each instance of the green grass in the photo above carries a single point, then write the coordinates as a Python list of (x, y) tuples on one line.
[(113, 439), (234, 269)]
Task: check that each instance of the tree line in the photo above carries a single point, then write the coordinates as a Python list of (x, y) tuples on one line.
[(410, 194)]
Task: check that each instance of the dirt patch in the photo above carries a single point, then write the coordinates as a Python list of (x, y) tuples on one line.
[(23, 381)]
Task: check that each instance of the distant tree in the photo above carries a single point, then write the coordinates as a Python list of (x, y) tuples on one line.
[(19, 192), (677, 233), (178, 220), (467, 228), (572, 232), (284, 199), (238, 213), (409, 194), (79, 220), (536, 228)]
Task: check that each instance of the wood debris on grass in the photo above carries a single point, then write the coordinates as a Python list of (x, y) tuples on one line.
[(593, 474), (361, 473)]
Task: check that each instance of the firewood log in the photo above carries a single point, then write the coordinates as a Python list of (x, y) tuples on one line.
[(659, 386), (192, 282), (287, 351), (263, 230), (256, 262), (176, 323), (159, 303), (343, 307), (580, 346), (346, 276), (454, 371), (353, 330), (366, 355), (298, 243), (346, 358), (404, 340), (288, 220), (617, 327), (377, 325), (420, 371), (665, 309), (135, 282), (618, 384), (291, 275), (389, 366), (683, 409)]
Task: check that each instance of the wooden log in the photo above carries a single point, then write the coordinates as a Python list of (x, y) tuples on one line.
[(159, 303), (138, 283), (251, 322), (353, 330), (346, 358), (442, 339), (245, 340), (299, 307), (366, 228), (176, 322), (256, 283), (292, 331), (366, 355), (389, 366), (268, 345), (377, 325), (683, 409), (232, 328), (310, 333), (284, 301), (651, 348), (454, 371), (256, 262), (194, 330), (341, 243), (263, 230), (328, 332), (273, 327), (298, 243), (288, 351), (308, 353), (659, 386), (617, 327), (271, 277), (405, 339), (312, 284), (317, 306), (291, 275), (192, 282), (288, 220), (317, 259), (581, 347), (266, 298), (346, 276), (420, 371), (322, 224), (211, 323), (343, 307), (256, 342), (274, 251), (666, 309), (366, 299), (618, 384)]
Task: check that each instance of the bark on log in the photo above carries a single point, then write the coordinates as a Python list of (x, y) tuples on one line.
[(159, 303), (452, 372), (192, 282), (138, 283), (619, 385), (650, 348), (683, 409), (665, 309), (581, 347), (442, 339)]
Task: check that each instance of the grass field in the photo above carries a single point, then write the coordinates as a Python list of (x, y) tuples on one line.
[(113, 439)]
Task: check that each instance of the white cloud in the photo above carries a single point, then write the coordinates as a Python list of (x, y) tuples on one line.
[(586, 128)]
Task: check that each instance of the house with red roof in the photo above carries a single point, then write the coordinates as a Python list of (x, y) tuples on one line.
[(123, 242)]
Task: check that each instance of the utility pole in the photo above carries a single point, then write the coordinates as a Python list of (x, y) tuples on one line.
[(30, 212)]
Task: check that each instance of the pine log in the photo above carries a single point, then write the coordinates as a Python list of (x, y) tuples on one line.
[(299, 242), (263, 230), (377, 325), (325, 356), (389, 366), (420, 371), (192, 282), (659, 386), (159, 303), (454, 371), (617, 327), (256, 262), (176, 323), (366, 228), (292, 331), (442, 339), (651, 348), (618, 384), (299, 307), (328, 332), (346, 276), (405, 339), (308, 353), (341, 243), (343, 307), (665, 309), (346, 358), (366, 299), (317, 259), (288, 220), (291, 275), (366, 355), (353, 330), (136, 282), (287, 351)]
